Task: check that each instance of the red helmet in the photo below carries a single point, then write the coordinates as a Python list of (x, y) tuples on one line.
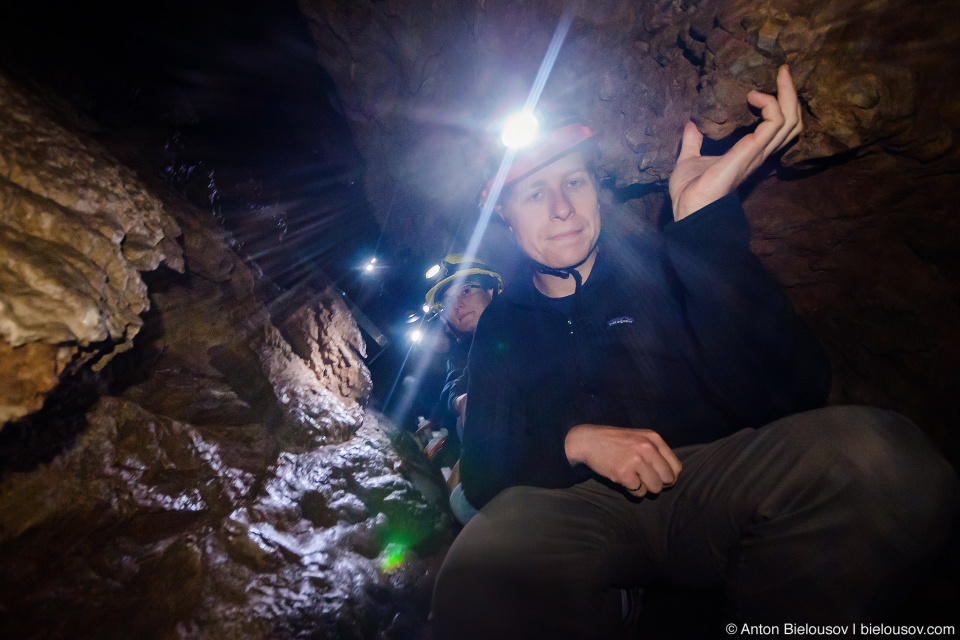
[(546, 148)]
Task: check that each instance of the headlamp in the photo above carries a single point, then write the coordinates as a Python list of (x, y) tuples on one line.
[(520, 130), (534, 149), (456, 270)]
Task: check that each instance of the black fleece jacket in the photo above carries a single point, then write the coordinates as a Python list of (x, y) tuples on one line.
[(682, 332)]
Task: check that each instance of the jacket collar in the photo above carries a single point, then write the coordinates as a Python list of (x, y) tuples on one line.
[(523, 292)]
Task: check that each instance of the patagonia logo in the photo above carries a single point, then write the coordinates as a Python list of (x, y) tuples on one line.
[(620, 320)]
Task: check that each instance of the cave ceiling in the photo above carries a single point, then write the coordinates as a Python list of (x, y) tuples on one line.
[(422, 83)]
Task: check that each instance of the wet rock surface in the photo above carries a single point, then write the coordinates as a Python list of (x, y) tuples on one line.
[(154, 528), (858, 218), (219, 478)]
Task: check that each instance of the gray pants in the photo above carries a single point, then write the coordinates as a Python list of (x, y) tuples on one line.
[(819, 518)]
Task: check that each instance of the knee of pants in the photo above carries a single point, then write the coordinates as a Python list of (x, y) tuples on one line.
[(533, 563), (518, 536), (878, 457), (529, 537), (483, 554)]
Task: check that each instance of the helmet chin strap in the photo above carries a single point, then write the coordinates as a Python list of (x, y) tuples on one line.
[(564, 272)]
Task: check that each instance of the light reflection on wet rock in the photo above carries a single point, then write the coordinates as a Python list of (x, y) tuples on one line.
[(143, 514), (224, 479)]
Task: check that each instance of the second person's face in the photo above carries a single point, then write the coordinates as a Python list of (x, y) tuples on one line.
[(463, 305)]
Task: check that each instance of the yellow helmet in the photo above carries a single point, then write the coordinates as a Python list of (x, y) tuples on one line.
[(456, 268)]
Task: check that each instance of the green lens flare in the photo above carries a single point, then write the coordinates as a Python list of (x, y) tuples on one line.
[(393, 556)]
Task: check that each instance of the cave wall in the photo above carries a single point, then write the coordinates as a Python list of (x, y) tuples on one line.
[(76, 233), (424, 82), (185, 451), (858, 219)]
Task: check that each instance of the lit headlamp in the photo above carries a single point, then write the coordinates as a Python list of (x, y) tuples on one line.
[(535, 149), (520, 130)]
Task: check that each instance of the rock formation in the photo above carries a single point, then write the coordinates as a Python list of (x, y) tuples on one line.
[(77, 230), (219, 478), (859, 222)]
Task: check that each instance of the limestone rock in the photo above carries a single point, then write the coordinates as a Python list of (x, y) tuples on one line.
[(153, 528), (233, 485), (227, 481), (212, 353), (636, 73), (29, 372), (196, 360), (60, 165), (319, 342), (76, 230)]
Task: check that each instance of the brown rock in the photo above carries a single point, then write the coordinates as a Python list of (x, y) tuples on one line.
[(144, 528), (77, 228), (233, 486), (29, 372), (863, 91)]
